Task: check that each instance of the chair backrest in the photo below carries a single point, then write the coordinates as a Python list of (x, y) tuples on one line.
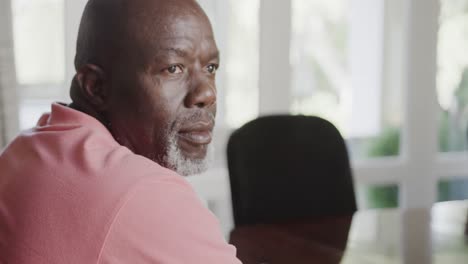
[(288, 167)]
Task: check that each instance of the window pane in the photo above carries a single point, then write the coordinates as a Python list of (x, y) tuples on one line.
[(378, 196), (242, 61), (338, 60), (452, 77), (453, 189), (38, 27), (319, 58)]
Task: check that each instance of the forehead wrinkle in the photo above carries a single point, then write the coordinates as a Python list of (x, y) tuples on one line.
[(179, 52), (184, 47), (169, 30), (165, 38), (131, 26)]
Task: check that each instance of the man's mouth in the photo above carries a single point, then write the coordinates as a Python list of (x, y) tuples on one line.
[(197, 134), (198, 137)]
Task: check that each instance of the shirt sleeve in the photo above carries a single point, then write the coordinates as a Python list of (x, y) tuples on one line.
[(165, 223)]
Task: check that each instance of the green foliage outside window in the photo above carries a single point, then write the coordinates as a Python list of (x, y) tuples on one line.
[(452, 137), (387, 144)]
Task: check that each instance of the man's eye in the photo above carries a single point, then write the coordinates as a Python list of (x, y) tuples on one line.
[(174, 69), (212, 68)]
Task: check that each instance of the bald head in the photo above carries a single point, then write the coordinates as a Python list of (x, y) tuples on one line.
[(111, 28)]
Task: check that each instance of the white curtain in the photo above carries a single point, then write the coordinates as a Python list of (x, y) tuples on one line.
[(8, 95)]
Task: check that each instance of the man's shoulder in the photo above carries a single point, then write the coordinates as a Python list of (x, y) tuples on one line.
[(136, 167), (148, 177), (167, 215)]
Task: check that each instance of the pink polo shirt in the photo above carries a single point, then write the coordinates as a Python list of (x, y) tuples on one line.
[(69, 193)]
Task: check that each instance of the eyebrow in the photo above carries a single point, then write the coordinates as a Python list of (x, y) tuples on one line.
[(177, 51), (214, 55)]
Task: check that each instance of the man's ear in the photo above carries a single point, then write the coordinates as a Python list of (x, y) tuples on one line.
[(93, 85)]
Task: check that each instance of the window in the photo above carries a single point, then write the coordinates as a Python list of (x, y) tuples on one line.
[(453, 189), (241, 62), (349, 61), (319, 50), (39, 41), (38, 30), (338, 59), (452, 76)]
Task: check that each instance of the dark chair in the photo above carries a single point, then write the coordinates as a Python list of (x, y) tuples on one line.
[(288, 168)]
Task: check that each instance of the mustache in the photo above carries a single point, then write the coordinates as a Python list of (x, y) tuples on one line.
[(194, 117)]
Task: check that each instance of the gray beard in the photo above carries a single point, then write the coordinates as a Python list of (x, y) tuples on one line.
[(175, 159)]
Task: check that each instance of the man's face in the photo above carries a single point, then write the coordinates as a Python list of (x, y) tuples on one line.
[(163, 104)]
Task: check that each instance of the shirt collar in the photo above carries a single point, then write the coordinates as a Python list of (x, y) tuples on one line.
[(61, 115)]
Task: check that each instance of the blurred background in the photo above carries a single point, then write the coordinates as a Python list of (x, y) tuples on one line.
[(393, 79)]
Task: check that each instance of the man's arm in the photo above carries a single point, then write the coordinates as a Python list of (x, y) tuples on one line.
[(165, 222)]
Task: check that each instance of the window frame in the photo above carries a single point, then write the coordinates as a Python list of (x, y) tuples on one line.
[(420, 165)]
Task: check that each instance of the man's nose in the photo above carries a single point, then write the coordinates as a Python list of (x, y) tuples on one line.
[(202, 94)]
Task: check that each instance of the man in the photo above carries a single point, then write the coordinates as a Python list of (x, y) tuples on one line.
[(96, 181)]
